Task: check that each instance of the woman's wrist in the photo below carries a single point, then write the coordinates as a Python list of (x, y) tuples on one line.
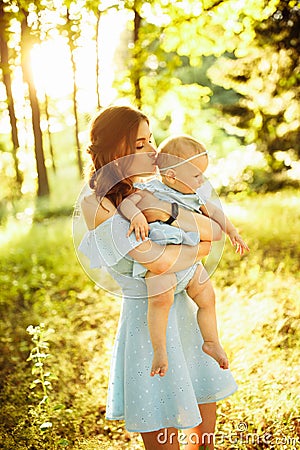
[(174, 214)]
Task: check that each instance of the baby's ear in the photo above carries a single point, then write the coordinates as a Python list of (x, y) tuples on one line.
[(170, 175)]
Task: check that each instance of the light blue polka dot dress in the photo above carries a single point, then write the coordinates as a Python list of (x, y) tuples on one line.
[(151, 403)]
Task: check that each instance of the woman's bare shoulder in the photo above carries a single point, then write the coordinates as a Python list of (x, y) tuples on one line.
[(96, 213)]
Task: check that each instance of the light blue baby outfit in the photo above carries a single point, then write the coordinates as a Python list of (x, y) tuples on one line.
[(162, 233), (151, 403), (163, 192)]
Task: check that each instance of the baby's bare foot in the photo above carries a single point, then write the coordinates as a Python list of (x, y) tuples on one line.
[(215, 350), (159, 363)]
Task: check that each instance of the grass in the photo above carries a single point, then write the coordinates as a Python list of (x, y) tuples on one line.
[(258, 310), (258, 305)]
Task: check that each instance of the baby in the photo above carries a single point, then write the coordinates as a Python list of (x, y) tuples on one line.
[(181, 160)]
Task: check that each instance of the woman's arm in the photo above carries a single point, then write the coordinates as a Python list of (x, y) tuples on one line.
[(170, 258), (155, 209)]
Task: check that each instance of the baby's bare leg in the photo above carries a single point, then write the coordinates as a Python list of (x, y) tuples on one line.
[(160, 299), (201, 291)]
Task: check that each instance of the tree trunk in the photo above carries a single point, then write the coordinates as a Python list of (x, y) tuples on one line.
[(10, 101), (97, 60), (49, 133), (74, 96), (137, 86), (43, 185)]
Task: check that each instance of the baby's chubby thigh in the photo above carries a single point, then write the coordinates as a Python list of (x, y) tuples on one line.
[(159, 284), (184, 277), (164, 234)]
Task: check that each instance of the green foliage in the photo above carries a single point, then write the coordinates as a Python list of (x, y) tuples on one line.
[(42, 377), (258, 297), (258, 179), (267, 78), (236, 61), (42, 282), (213, 69)]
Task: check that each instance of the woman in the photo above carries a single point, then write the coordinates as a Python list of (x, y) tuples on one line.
[(185, 398)]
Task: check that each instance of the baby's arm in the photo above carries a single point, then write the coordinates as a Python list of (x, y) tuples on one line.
[(138, 222), (215, 213)]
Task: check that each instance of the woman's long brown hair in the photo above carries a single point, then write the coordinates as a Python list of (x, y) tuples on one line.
[(113, 135)]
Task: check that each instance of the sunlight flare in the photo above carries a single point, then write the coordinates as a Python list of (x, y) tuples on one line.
[(51, 66)]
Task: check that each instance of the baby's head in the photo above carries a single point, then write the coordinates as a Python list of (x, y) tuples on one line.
[(182, 160)]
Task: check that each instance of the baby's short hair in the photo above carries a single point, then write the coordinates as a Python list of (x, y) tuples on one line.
[(177, 148)]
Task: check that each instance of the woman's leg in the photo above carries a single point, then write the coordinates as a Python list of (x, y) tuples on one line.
[(202, 436), (160, 299), (164, 439), (201, 291)]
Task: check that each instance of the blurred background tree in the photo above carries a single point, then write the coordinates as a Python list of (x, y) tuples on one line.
[(223, 71), (267, 79)]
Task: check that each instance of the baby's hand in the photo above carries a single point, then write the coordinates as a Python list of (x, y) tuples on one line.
[(140, 226), (238, 242)]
